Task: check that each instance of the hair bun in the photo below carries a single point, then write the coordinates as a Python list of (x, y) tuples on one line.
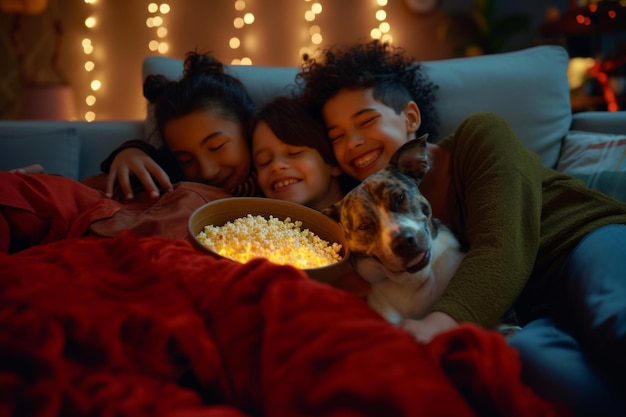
[(196, 62), (154, 86)]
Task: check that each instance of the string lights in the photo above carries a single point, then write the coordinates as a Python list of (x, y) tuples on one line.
[(90, 65), (156, 21), (314, 31), (382, 31), (240, 22)]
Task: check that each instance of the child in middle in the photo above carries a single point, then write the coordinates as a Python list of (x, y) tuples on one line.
[(292, 156), (294, 161)]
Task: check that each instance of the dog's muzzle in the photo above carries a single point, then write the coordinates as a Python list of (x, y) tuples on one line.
[(406, 245), (421, 262)]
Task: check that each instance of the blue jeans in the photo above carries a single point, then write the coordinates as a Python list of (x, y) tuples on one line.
[(580, 361)]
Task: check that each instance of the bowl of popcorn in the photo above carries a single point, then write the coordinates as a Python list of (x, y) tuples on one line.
[(285, 233)]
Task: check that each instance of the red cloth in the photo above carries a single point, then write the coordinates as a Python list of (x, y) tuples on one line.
[(43, 208), (39, 208), (134, 326)]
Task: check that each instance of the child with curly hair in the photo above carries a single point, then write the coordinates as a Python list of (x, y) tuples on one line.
[(537, 240)]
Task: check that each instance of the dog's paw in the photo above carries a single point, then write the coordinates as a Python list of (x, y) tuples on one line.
[(426, 329), (385, 310)]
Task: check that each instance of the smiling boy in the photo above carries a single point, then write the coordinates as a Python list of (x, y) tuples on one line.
[(537, 240)]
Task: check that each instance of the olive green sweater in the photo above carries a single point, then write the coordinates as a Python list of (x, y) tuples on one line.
[(518, 220)]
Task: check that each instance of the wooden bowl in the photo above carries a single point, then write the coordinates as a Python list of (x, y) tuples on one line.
[(221, 211)]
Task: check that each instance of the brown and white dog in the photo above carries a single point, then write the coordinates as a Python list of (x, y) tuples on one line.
[(406, 255)]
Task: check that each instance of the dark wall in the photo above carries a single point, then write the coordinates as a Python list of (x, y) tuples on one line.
[(120, 40)]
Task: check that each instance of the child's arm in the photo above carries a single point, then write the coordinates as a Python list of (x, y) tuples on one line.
[(135, 159), (133, 162), (30, 169)]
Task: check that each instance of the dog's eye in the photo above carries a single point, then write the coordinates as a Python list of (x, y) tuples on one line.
[(364, 226), (398, 200), (426, 209)]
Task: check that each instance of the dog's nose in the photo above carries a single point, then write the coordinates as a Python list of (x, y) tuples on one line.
[(405, 244)]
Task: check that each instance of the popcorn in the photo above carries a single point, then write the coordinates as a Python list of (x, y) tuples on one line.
[(282, 242)]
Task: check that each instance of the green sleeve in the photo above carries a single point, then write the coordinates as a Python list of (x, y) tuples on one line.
[(496, 188)]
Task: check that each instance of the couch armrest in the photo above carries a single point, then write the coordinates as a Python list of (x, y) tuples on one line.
[(600, 121), (70, 148)]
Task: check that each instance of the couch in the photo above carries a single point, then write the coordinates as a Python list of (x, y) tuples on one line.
[(529, 88)]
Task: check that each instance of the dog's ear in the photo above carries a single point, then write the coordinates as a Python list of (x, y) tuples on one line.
[(333, 211), (412, 158)]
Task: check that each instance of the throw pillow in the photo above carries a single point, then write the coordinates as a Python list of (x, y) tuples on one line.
[(599, 159), (57, 151)]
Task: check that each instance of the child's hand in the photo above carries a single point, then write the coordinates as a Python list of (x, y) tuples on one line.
[(426, 329), (30, 169), (135, 162)]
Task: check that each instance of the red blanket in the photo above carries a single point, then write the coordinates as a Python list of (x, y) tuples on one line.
[(134, 326)]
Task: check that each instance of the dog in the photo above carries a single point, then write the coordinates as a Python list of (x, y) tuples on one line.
[(407, 256)]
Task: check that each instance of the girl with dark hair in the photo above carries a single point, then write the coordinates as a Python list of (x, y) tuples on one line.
[(201, 120), (293, 159)]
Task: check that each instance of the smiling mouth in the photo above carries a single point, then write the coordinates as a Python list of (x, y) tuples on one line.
[(284, 183), (367, 159), (222, 183)]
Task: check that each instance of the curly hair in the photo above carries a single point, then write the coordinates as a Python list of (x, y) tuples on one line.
[(204, 86), (395, 78)]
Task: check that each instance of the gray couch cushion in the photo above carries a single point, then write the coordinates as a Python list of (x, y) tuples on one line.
[(263, 83), (57, 150), (100, 138), (529, 88), (74, 149), (600, 121), (599, 159)]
